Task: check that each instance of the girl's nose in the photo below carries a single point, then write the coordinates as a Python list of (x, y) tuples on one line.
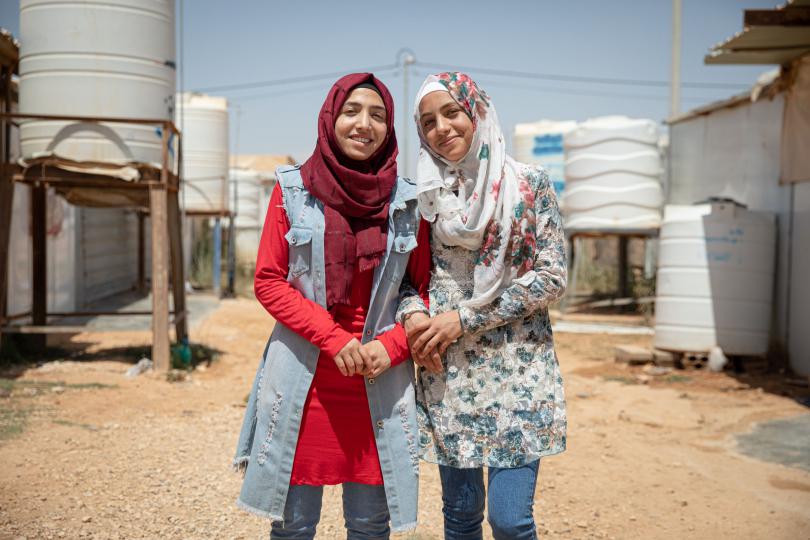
[(363, 120)]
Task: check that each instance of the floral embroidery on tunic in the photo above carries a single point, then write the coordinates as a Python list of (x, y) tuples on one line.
[(500, 400)]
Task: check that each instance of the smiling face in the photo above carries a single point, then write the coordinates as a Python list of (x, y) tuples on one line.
[(445, 126), (361, 126)]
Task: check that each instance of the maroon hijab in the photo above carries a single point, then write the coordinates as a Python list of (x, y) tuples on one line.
[(355, 194)]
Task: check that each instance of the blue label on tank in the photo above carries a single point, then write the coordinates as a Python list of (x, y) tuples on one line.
[(548, 144)]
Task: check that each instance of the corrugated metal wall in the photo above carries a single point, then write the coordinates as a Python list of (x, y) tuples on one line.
[(108, 251)]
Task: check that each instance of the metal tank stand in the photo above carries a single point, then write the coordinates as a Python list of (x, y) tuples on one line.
[(574, 240), (152, 190)]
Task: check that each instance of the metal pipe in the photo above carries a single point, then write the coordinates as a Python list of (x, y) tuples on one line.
[(675, 78)]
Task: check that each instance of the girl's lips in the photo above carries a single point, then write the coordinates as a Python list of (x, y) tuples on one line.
[(448, 141), (360, 140)]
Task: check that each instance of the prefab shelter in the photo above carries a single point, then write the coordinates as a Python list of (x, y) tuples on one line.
[(752, 148), (252, 179)]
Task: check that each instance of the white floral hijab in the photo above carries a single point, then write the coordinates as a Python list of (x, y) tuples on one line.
[(483, 202)]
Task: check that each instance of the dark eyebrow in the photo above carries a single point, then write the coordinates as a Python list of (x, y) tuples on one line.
[(356, 104)]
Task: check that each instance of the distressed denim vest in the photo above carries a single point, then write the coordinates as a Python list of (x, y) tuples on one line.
[(269, 435)]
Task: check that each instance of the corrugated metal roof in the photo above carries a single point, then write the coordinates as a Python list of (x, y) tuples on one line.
[(769, 84), (769, 37)]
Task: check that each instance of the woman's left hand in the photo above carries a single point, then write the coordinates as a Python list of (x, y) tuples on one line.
[(380, 361), (438, 332)]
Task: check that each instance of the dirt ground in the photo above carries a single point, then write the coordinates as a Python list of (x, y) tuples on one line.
[(88, 453)]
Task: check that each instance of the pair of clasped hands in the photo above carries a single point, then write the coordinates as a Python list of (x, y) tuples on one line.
[(428, 339)]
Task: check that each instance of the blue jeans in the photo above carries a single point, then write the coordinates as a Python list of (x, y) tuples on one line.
[(365, 511), (509, 505)]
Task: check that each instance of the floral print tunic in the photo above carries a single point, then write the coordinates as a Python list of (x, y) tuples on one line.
[(499, 401)]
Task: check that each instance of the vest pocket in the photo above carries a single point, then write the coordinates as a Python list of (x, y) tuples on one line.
[(300, 241), (404, 244), (400, 253)]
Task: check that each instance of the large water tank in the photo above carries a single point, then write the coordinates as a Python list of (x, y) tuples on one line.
[(110, 58), (613, 174), (204, 122), (541, 143), (715, 279)]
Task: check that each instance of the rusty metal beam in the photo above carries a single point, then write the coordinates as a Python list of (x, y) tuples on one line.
[(94, 119)]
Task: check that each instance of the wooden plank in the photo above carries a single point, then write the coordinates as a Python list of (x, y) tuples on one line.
[(633, 354), (793, 16), (160, 280)]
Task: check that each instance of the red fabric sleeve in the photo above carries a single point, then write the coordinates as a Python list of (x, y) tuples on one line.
[(287, 305), (395, 341)]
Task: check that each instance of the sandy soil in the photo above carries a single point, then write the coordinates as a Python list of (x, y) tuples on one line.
[(88, 453)]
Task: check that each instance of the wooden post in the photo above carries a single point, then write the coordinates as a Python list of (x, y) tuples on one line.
[(571, 288), (141, 285), (624, 286), (160, 279), (39, 259), (177, 267), (160, 258), (6, 192), (6, 207)]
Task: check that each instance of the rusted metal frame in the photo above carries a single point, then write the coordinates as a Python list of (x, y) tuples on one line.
[(565, 303), (56, 181), (42, 330), (167, 124), (99, 313), (159, 192), (209, 213), (16, 316)]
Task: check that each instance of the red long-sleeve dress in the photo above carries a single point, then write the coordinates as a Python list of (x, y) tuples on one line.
[(336, 439)]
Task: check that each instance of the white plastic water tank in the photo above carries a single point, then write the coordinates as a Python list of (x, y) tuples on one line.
[(541, 143), (613, 174), (103, 58), (204, 124), (715, 279)]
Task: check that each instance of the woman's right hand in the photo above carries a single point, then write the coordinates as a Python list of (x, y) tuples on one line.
[(414, 324), (351, 359)]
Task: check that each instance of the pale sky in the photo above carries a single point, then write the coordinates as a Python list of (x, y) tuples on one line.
[(246, 41)]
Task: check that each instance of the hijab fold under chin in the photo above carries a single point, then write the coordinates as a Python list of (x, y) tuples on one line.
[(481, 203), (356, 195)]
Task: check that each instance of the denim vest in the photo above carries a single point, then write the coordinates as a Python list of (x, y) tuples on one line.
[(269, 435)]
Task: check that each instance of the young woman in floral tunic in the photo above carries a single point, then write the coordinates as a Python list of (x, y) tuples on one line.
[(489, 389)]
